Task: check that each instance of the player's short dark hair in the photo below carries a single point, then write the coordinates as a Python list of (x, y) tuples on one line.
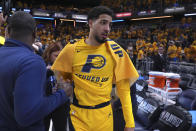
[(95, 12), (21, 24)]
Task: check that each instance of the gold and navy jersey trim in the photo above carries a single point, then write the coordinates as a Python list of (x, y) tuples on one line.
[(109, 40)]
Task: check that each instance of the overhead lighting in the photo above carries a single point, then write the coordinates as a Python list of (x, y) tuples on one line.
[(190, 14), (118, 20), (66, 20), (44, 18), (149, 12), (82, 21), (174, 10), (60, 15), (41, 13), (27, 10), (124, 14), (13, 9), (80, 17), (147, 18)]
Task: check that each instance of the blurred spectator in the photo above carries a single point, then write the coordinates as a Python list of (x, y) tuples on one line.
[(193, 52), (130, 51), (160, 60), (140, 56), (172, 52), (59, 115)]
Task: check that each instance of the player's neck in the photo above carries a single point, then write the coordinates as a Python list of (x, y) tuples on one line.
[(91, 41)]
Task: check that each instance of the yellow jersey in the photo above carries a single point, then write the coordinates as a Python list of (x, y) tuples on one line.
[(93, 68)]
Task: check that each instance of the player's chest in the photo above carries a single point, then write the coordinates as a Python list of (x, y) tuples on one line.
[(96, 60)]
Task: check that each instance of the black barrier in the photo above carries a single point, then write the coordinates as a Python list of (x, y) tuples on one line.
[(187, 99), (182, 67), (141, 85), (174, 118), (193, 104), (183, 84), (148, 112), (140, 96), (193, 84), (174, 68)]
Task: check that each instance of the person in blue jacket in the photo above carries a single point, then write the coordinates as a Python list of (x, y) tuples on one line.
[(23, 104)]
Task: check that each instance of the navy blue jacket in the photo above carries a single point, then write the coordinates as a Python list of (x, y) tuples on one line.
[(23, 104)]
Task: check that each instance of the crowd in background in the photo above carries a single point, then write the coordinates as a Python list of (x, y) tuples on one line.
[(142, 42), (178, 41), (116, 5), (139, 5)]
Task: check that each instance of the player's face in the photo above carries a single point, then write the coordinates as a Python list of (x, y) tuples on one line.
[(100, 28)]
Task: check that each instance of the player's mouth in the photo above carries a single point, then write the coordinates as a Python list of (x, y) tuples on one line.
[(104, 35)]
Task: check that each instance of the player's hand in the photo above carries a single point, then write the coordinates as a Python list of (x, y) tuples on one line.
[(129, 129)]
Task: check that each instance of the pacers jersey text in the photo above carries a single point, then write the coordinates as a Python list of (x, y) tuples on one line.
[(93, 69)]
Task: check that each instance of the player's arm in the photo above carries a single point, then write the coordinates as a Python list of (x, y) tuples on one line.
[(62, 76), (123, 91)]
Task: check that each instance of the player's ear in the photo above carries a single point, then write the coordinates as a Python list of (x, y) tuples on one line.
[(90, 22)]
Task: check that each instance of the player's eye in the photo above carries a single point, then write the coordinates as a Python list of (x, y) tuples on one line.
[(103, 22)]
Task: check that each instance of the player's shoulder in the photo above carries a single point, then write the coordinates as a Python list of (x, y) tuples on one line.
[(110, 41), (73, 44), (74, 41), (114, 44)]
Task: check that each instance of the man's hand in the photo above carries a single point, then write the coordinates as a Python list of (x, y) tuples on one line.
[(67, 87), (129, 129), (37, 45), (64, 84)]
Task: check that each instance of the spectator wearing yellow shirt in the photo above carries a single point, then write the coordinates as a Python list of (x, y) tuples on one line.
[(150, 51), (140, 43), (112, 35), (140, 56), (172, 51), (179, 51), (187, 53), (154, 44), (155, 47), (193, 53)]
